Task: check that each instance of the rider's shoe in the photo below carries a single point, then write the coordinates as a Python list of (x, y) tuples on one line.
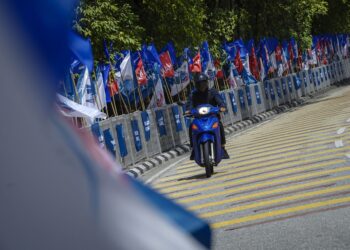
[(192, 155), (225, 154)]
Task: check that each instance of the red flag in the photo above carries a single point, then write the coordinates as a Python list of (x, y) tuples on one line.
[(196, 65), (279, 54), (112, 85), (168, 69), (290, 50), (140, 73), (253, 64), (238, 62), (217, 65)]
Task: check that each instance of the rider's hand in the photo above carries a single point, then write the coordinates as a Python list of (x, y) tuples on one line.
[(187, 112), (222, 109)]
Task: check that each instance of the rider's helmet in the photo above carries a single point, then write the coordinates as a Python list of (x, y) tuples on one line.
[(201, 82)]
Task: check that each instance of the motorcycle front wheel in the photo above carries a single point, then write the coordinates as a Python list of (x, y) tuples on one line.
[(208, 165)]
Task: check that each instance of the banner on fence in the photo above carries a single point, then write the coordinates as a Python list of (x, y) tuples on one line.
[(257, 94), (95, 129), (176, 115), (160, 122), (136, 134), (121, 140), (110, 142), (146, 125), (233, 102)]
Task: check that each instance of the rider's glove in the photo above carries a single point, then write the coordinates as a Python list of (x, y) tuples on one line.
[(222, 109)]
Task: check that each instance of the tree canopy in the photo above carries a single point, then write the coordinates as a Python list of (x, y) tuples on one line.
[(126, 24)]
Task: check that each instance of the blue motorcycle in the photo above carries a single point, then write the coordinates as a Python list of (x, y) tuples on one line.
[(206, 137)]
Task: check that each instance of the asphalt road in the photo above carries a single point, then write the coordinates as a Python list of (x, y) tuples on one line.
[(286, 186)]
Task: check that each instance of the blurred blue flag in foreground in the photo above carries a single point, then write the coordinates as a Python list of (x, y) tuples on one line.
[(63, 183)]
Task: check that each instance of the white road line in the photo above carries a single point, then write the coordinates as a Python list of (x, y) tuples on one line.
[(338, 143), (164, 170), (341, 130)]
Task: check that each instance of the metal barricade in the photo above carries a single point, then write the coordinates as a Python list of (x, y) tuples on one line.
[(164, 127), (266, 94), (123, 122), (152, 138), (243, 103), (280, 91), (304, 83), (233, 105), (226, 117), (258, 100), (296, 85), (178, 126), (274, 93)]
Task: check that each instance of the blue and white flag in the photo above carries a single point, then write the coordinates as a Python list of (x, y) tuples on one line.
[(85, 89), (72, 109), (96, 131), (182, 79), (100, 90)]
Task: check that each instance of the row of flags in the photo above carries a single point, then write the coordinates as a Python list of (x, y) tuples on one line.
[(157, 76)]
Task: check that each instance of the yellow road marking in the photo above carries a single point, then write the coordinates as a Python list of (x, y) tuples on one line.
[(270, 157), (255, 163), (269, 192), (278, 134), (265, 166), (238, 155), (235, 182), (279, 212), (261, 185), (275, 201)]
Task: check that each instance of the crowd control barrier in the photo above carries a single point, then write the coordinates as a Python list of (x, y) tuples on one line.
[(140, 135)]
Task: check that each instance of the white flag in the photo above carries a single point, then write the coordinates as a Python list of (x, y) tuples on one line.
[(158, 98), (182, 79), (126, 68), (101, 94), (73, 109), (85, 91)]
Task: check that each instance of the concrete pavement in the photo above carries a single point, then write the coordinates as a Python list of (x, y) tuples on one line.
[(286, 186)]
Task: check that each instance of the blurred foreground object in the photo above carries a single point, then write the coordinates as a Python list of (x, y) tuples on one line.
[(58, 190)]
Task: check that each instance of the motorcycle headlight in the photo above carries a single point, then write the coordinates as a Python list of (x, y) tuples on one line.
[(203, 110)]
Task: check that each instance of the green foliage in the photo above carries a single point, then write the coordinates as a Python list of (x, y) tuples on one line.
[(337, 19), (221, 27), (180, 21), (106, 20), (129, 23)]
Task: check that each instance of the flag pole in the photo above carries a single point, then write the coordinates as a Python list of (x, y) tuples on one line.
[(141, 99), (167, 90)]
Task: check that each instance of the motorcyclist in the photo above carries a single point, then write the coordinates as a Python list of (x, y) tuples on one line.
[(203, 95)]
